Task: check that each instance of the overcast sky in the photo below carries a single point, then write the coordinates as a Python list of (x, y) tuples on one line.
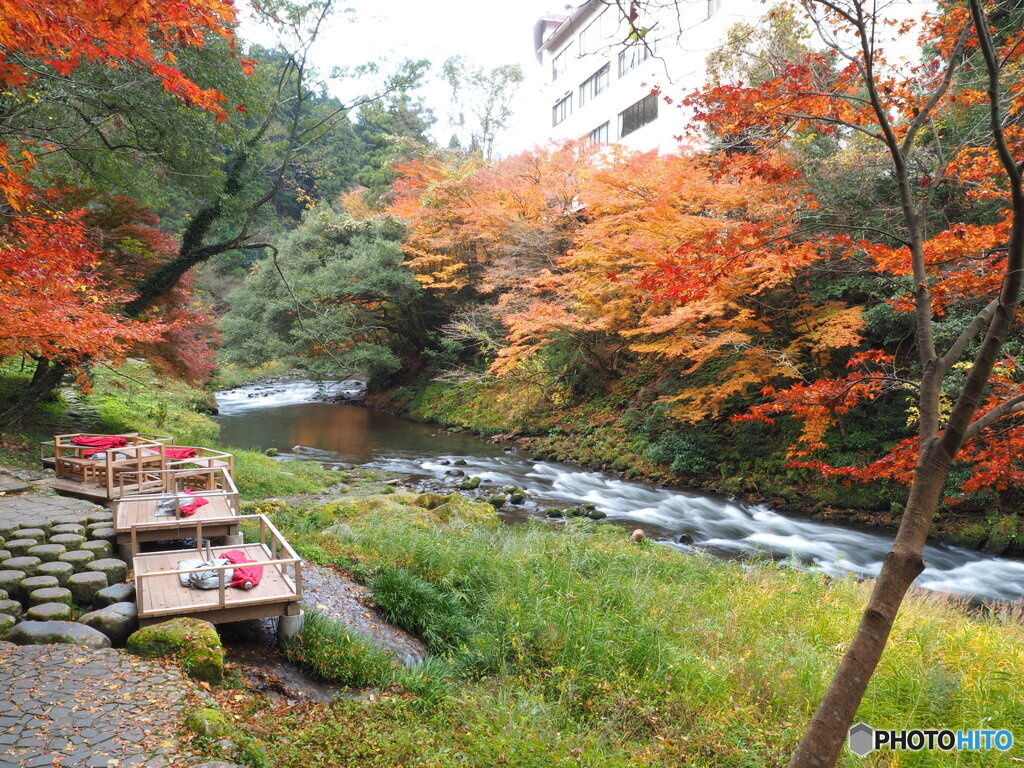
[(488, 32)]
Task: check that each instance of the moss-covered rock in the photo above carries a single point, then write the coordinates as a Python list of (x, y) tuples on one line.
[(457, 506), (430, 500), (208, 723), (195, 644), (472, 484)]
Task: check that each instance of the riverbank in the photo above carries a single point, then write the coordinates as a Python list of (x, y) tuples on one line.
[(574, 646), (609, 435)]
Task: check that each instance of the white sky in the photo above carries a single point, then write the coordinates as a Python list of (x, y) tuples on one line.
[(488, 32)]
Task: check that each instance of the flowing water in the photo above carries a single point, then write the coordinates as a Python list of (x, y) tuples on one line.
[(289, 417)]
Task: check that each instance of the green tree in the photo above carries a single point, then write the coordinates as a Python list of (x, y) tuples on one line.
[(333, 299)]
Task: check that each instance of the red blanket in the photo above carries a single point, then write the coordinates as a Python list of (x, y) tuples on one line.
[(179, 453), (98, 443), (251, 574), (190, 509)]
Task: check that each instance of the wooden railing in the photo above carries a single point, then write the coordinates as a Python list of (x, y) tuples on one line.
[(166, 481), (205, 457), (62, 445), (272, 542)]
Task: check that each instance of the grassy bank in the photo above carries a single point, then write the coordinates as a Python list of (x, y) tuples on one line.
[(133, 398), (576, 647), (628, 432)]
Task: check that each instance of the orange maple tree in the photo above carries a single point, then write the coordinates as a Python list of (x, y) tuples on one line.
[(58, 307), (948, 125)]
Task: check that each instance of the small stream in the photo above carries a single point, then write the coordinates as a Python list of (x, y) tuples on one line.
[(290, 418)]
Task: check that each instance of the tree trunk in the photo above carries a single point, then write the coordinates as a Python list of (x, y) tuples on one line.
[(44, 383), (827, 731)]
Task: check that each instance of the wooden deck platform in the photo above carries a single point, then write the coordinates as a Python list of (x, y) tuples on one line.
[(79, 490), (136, 521), (160, 595)]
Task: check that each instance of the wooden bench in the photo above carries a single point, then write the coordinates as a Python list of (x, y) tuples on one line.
[(160, 595)]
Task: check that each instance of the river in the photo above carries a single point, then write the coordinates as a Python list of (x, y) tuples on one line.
[(289, 418)]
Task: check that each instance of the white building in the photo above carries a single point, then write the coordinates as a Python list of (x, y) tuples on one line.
[(598, 81)]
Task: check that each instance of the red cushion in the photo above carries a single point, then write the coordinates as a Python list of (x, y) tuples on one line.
[(190, 509), (250, 573), (179, 453), (109, 441)]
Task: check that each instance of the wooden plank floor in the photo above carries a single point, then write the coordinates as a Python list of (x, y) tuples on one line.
[(131, 513), (164, 596), (86, 491)]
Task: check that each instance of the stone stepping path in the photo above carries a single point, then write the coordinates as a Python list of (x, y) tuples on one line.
[(63, 705), (18, 510)]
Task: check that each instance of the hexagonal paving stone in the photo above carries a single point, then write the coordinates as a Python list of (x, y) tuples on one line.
[(99, 515), (100, 548), (33, 583), (49, 612), (37, 522), (58, 569), (26, 564), (10, 607), (78, 559), (50, 595), (18, 547), (38, 534), (47, 552), (75, 528), (114, 569), (85, 585), (100, 524)]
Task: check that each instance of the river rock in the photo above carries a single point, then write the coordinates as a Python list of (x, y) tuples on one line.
[(5, 554), (194, 643), (115, 570), (49, 612), (637, 536), (460, 463), (68, 540), (75, 528), (36, 534), (47, 553), (115, 593), (10, 607), (48, 632), (85, 585), (469, 485), (18, 547), (26, 564), (6, 622), (77, 559), (49, 595), (98, 548), (116, 621)]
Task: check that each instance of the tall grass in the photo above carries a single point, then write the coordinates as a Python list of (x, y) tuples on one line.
[(638, 650)]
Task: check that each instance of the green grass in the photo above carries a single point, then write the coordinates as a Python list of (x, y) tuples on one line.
[(577, 647)]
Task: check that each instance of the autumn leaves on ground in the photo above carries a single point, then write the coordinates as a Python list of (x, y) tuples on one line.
[(813, 303)]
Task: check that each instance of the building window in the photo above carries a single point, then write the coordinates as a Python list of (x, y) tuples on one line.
[(561, 110), (640, 114), (561, 62), (599, 135), (714, 6), (596, 84), (635, 55)]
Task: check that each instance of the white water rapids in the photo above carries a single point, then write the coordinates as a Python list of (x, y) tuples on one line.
[(286, 417)]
